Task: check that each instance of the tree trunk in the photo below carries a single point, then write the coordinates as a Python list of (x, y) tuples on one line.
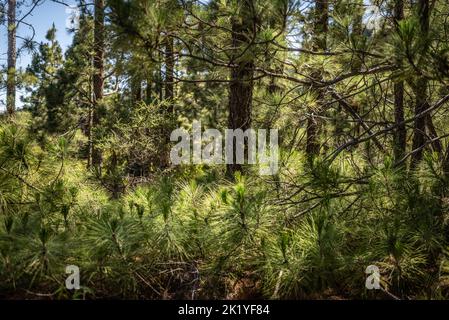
[(169, 71), (168, 86), (419, 125), (89, 135), (401, 131), (158, 79), (148, 90), (420, 89), (136, 89), (321, 17), (98, 77), (432, 133), (12, 56), (241, 78)]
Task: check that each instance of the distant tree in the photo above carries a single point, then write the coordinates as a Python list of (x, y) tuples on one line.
[(44, 78)]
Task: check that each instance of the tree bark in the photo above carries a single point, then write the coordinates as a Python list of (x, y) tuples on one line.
[(169, 71), (98, 77), (241, 77), (321, 17), (136, 89), (421, 89), (12, 57), (168, 86), (432, 133), (148, 89), (400, 136)]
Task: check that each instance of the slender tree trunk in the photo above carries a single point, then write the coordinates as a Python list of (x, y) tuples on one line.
[(158, 83), (169, 71), (241, 84), (89, 134), (169, 61), (321, 17), (98, 77), (148, 90), (432, 132), (12, 56), (420, 123), (136, 89), (401, 131), (420, 89)]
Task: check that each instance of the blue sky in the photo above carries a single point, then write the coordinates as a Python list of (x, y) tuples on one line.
[(42, 19)]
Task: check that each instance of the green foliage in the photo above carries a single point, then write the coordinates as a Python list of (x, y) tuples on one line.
[(85, 178), (306, 259)]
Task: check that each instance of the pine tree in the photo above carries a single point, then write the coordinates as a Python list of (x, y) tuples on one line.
[(47, 96), (319, 43), (12, 56), (94, 156), (244, 27)]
